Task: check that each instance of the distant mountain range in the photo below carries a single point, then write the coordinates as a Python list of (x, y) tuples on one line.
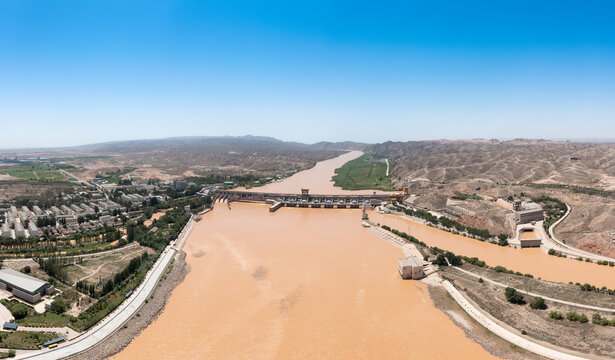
[(247, 141)]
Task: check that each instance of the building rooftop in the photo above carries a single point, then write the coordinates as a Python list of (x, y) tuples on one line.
[(410, 261), (23, 281), (529, 211), (9, 326), (54, 341)]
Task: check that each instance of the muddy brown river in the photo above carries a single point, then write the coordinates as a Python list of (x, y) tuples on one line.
[(298, 283), (315, 284)]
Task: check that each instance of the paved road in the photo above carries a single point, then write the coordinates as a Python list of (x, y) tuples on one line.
[(119, 316), (559, 245), (589, 307), (78, 179), (504, 333), (114, 321)]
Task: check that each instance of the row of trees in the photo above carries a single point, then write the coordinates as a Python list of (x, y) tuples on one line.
[(452, 224), (454, 260), (111, 284), (119, 277), (55, 267), (404, 235), (571, 316)]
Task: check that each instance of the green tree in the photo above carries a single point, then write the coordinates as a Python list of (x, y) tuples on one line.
[(58, 306), (556, 315), (538, 303), (440, 260), (19, 311), (513, 296)]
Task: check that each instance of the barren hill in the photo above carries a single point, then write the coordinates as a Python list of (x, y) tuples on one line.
[(516, 161), (203, 155)]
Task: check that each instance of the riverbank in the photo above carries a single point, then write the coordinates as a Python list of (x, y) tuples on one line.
[(473, 330), (364, 173), (583, 339), (149, 312)]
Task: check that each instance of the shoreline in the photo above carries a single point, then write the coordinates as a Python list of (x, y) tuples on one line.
[(474, 331), (148, 313)]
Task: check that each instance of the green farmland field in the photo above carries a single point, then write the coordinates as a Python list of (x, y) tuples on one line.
[(363, 173), (31, 171)]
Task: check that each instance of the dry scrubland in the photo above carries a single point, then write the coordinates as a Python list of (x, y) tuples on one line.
[(586, 337), (496, 169), (17, 189), (538, 161), (196, 156), (204, 156)]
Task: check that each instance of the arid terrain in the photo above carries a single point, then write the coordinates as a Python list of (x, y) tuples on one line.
[(517, 161), (172, 158), (437, 170), (434, 170)]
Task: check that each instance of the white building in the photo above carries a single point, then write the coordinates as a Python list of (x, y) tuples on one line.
[(104, 219), (6, 231), (32, 229), (23, 217), (19, 230)]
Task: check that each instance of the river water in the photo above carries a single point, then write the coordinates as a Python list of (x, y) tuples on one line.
[(531, 260), (313, 283), (317, 179), (298, 283)]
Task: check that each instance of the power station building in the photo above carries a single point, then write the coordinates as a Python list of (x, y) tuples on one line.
[(23, 286), (526, 216)]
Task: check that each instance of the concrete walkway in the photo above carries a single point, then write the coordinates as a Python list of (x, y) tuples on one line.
[(398, 242), (5, 314), (529, 293), (486, 321)]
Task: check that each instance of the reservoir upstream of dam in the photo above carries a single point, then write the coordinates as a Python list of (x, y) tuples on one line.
[(313, 283)]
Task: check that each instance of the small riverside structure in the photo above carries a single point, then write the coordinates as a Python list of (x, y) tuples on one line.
[(529, 238), (23, 286), (411, 268)]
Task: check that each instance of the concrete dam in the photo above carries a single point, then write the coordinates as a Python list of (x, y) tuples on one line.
[(307, 200)]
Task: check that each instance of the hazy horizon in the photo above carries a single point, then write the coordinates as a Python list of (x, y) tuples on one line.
[(83, 73), (7, 150)]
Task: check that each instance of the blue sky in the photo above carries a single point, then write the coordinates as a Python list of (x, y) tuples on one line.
[(76, 72)]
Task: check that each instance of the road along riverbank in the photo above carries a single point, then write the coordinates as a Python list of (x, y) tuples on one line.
[(114, 321), (147, 314)]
